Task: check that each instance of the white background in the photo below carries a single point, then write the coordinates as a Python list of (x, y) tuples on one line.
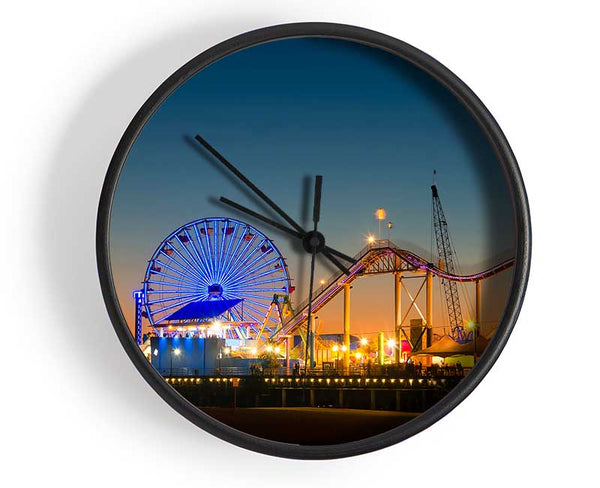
[(74, 410)]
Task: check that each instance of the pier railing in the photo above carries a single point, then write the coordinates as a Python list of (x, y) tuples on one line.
[(374, 371)]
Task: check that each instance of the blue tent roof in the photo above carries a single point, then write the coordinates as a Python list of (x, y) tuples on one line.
[(203, 309)]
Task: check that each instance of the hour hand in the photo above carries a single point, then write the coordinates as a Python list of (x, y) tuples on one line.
[(262, 218), (327, 252)]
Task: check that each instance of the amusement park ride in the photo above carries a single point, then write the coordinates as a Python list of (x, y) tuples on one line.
[(215, 270), (222, 278)]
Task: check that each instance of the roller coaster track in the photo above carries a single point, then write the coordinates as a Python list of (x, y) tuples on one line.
[(378, 258)]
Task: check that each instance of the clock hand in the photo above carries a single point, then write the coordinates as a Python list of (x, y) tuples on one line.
[(340, 254), (316, 216), (341, 267), (249, 184), (309, 318), (258, 216), (328, 252), (317, 202)]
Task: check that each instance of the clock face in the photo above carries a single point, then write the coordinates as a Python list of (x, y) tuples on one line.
[(313, 240)]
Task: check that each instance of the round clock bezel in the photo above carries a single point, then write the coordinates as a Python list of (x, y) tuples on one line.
[(505, 158)]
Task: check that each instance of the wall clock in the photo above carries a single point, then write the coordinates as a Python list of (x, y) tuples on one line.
[(313, 240)]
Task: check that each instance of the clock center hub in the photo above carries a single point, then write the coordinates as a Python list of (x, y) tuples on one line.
[(313, 241)]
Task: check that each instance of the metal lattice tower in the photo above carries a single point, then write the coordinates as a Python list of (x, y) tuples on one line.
[(138, 296), (446, 258)]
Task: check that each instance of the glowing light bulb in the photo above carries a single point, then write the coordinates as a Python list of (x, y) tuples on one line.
[(380, 214)]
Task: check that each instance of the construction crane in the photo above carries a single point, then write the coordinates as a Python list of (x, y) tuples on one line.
[(446, 261)]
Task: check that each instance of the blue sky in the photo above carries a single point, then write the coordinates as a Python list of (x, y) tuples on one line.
[(372, 124)]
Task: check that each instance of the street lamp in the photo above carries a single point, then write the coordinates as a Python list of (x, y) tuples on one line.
[(380, 215), (336, 349)]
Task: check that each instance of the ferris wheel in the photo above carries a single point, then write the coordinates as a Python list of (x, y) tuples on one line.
[(216, 262)]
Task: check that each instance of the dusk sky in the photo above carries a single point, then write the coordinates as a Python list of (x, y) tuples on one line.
[(372, 124)]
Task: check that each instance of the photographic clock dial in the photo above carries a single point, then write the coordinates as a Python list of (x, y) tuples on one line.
[(311, 235)]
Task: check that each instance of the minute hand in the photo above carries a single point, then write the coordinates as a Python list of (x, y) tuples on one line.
[(249, 184), (327, 250)]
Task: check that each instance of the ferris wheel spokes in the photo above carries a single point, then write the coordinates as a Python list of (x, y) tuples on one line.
[(216, 259)]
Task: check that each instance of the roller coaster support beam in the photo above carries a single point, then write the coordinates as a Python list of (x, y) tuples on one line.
[(312, 363), (381, 348), (429, 309), (347, 328), (478, 303), (398, 314), (287, 353)]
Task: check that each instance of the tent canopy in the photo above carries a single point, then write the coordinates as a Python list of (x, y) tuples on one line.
[(202, 310), (447, 346)]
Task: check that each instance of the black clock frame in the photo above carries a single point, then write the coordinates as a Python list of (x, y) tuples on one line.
[(504, 155)]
